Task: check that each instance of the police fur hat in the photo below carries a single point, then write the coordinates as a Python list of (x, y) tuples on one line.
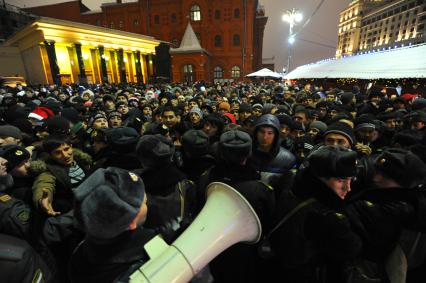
[(108, 201), (195, 143), (331, 161), (14, 154), (235, 146), (402, 166), (154, 151)]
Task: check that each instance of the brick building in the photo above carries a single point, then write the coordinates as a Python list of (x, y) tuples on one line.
[(228, 34)]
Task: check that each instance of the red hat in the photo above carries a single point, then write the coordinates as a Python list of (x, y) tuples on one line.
[(230, 117), (408, 96), (41, 113)]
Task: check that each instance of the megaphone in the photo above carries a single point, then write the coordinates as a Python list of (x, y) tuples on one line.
[(226, 219)]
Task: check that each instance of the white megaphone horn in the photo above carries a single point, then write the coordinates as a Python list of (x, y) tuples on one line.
[(226, 219)]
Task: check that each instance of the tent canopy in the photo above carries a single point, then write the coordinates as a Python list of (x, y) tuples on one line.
[(264, 73), (404, 62)]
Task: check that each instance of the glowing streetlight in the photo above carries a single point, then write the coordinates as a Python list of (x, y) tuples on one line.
[(292, 17)]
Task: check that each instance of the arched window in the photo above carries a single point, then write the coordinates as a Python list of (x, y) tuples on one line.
[(236, 40), (235, 72), (217, 14), (217, 41), (189, 73), (195, 13), (237, 13), (218, 72)]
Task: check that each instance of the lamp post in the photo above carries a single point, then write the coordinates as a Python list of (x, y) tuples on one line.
[(292, 17)]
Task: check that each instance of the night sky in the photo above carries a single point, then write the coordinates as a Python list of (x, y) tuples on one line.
[(321, 29)]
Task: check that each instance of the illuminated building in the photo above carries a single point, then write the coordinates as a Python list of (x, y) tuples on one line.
[(372, 25), (58, 51), (229, 33)]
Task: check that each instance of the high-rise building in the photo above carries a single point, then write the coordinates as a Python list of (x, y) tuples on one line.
[(370, 25), (208, 40)]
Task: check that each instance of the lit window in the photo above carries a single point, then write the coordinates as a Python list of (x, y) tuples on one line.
[(235, 72), (188, 73), (195, 13), (218, 72), (111, 25), (98, 22), (135, 22), (120, 24)]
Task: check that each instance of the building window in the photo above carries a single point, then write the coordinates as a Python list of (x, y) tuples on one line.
[(98, 22), (188, 73), (195, 13), (217, 41), (157, 19), (120, 24), (218, 72), (217, 14), (236, 40), (173, 18), (235, 72), (135, 22), (237, 13), (111, 25)]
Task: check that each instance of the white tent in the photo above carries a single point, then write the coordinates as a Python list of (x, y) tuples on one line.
[(405, 62), (264, 73)]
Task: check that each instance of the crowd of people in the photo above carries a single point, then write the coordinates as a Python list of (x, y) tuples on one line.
[(91, 173)]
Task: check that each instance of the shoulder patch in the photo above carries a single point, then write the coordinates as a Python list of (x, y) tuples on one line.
[(369, 203), (23, 216), (339, 215), (5, 198)]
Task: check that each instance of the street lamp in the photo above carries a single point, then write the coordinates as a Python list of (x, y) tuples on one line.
[(292, 17)]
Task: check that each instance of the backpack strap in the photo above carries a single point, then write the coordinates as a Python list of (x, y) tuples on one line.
[(290, 214)]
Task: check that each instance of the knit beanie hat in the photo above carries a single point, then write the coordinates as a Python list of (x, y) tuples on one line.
[(114, 114), (195, 143), (341, 129), (96, 117), (14, 154), (57, 125), (402, 166), (108, 201), (10, 131), (235, 146), (196, 110), (154, 151), (321, 126), (331, 161), (245, 107)]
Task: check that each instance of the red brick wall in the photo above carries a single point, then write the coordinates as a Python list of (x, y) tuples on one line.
[(140, 17)]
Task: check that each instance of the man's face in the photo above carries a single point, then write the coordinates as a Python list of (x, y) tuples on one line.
[(313, 132), (301, 118), (284, 131), (194, 118), (365, 135), (100, 123), (193, 104), (3, 168), (123, 109), (115, 122), (109, 105), (265, 137), (210, 129), (341, 186), (21, 170), (417, 125), (335, 139), (147, 111), (121, 99), (63, 155), (169, 119), (330, 97), (391, 124), (257, 111), (243, 115), (9, 140)]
